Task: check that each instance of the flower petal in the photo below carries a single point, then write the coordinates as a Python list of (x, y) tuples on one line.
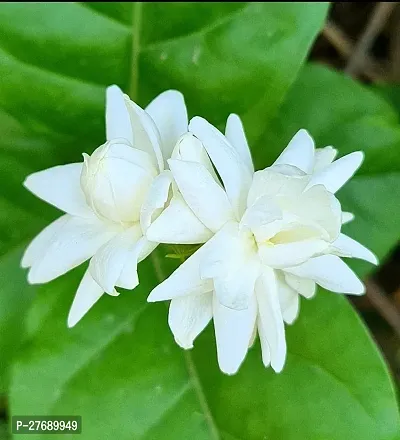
[(118, 122), (168, 111), (185, 280), (190, 149), (128, 278), (288, 300), (75, 242), (280, 256), (42, 241), (118, 191), (108, 262), (233, 265), (263, 218), (60, 186), (317, 207), (299, 152), (234, 173), (331, 273), (188, 316), (270, 322), (347, 217), (305, 287), (204, 196), (156, 199), (88, 293), (145, 133), (345, 246), (323, 157), (233, 332), (235, 134), (271, 183), (265, 351), (338, 173), (177, 224), (116, 149)]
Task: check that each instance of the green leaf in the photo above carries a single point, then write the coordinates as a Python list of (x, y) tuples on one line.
[(120, 368), (390, 92), (15, 299)]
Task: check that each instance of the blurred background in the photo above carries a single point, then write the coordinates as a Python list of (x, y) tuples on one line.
[(363, 40)]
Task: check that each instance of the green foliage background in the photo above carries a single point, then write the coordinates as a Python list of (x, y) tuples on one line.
[(120, 368)]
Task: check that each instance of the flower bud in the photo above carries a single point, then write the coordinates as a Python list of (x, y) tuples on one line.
[(115, 180)]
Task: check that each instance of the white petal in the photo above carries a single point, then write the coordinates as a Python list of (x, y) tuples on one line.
[(288, 300), (146, 248), (331, 273), (60, 186), (177, 224), (234, 173), (119, 190), (233, 265), (265, 351), (263, 218), (75, 242), (253, 335), (42, 241), (190, 149), (347, 217), (168, 111), (185, 280), (188, 316), (271, 183), (323, 157), (345, 246), (283, 255), (204, 196), (116, 149), (338, 173), (118, 122), (107, 264), (235, 134), (270, 322), (128, 278), (234, 290), (299, 152), (145, 133), (305, 287), (155, 200), (317, 207), (233, 331), (88, 293)]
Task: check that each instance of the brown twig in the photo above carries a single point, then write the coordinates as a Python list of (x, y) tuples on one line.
[(345, 47), (384, 305), (339, 40), (378, 19), (395, 46)]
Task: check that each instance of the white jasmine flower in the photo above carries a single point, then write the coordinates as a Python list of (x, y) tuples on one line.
[(276, 234), (102, 199)]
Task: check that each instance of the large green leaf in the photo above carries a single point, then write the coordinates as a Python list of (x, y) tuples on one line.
[(391, 92), (15, 298), (120, 368)]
